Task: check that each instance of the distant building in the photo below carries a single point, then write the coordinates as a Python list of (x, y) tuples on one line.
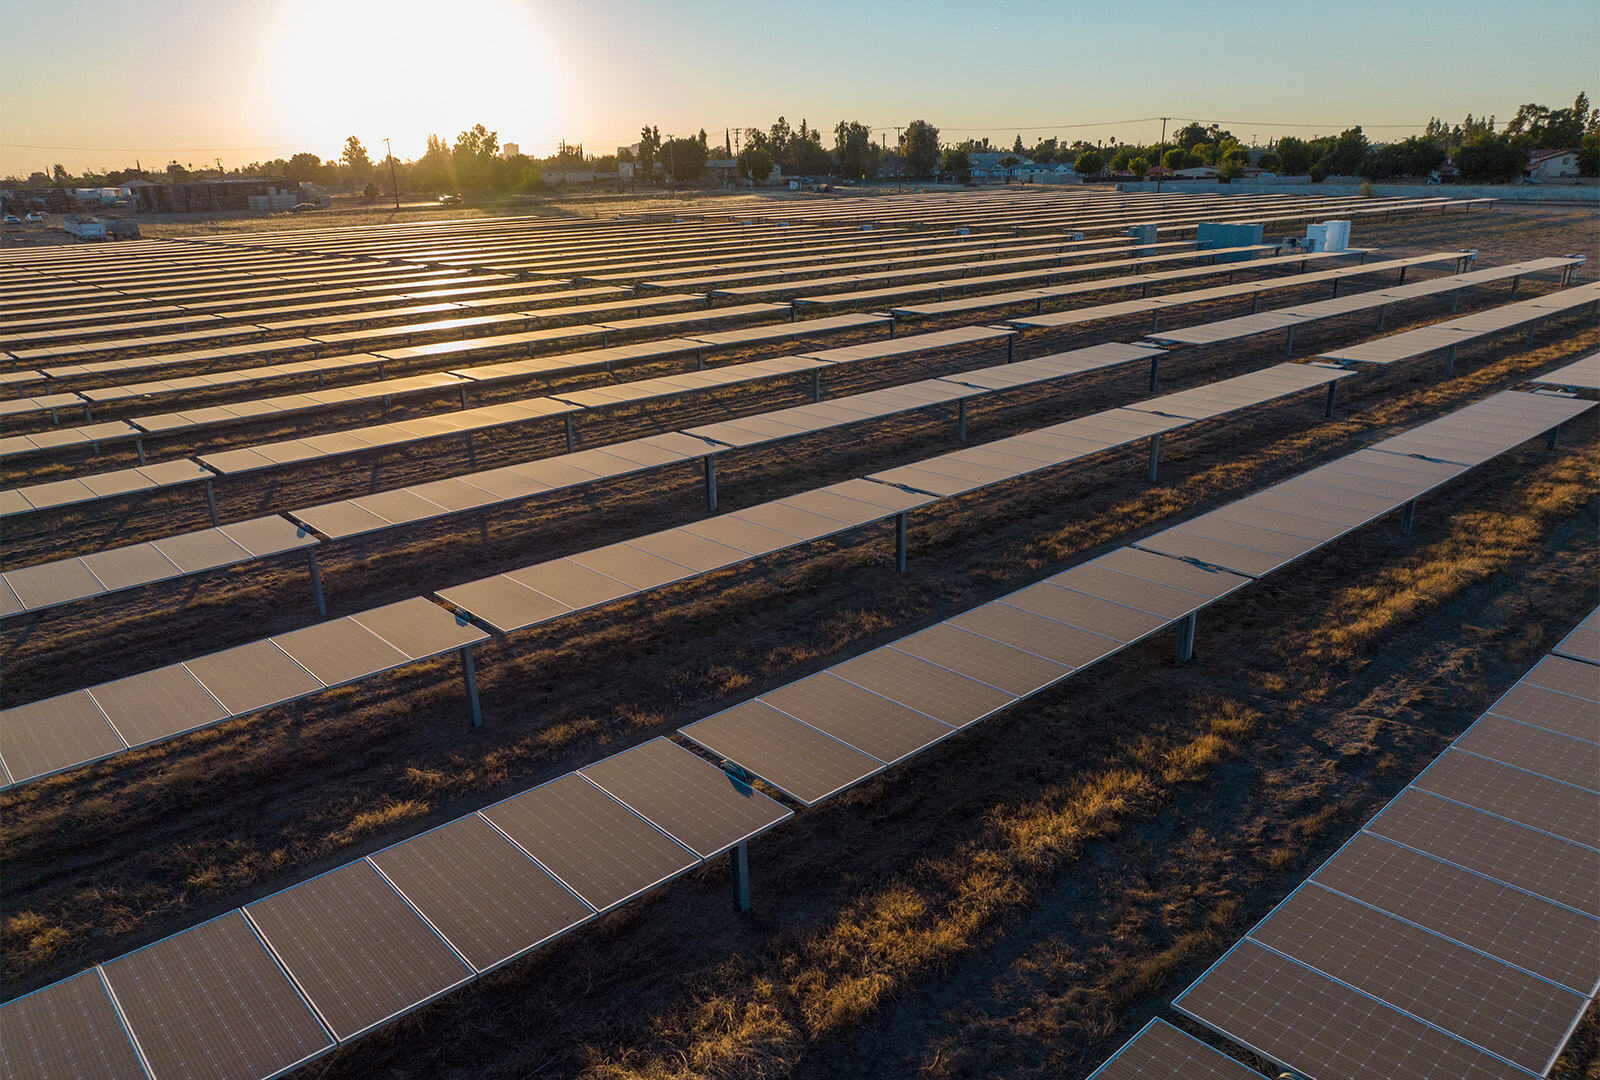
[(1551, 164), (510, 150), (206, 196)]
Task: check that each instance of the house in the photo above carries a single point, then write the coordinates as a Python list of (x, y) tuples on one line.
[(1551, 164), (985, 164)]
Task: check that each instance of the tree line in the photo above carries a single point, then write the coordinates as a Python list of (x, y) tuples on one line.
[(473, 160)]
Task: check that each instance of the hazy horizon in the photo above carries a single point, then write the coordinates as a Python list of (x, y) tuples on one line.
[(93, 85)]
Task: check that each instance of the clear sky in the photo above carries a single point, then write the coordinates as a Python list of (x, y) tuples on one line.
[(99, 83)]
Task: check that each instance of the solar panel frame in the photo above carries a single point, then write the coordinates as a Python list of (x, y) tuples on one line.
[(68, 1028), (804, 763), (1162, 1052)]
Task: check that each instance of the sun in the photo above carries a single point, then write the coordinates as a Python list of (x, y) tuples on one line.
[(405, 69)]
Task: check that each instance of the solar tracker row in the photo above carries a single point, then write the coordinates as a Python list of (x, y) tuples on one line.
[(1459, 932), (1580, 374), (1162, 1052)]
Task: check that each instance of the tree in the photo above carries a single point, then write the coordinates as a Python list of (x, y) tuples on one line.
[(1089, 163), (474, 157), (1294, 155), (1230, 169), (755, 163), (956, 163), (1270, 162), (685, 158), (355, 157), (58, 174), (920, 147), (371, 192), (1140, 166), (1494, 159), (1016, 147), (1120, 160), (302, 168), (1175, 159), (649, 143), (1347, 153), (857, 153)]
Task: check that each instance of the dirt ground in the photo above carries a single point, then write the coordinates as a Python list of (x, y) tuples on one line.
[(1015, 902)]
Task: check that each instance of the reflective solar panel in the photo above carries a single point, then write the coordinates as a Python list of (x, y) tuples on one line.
[(157, 704), (358, 951), (603, 851), (1002, 666), (1564, 810), (68, 1029), (339, 650), (419, 628), (56, 733), (1549, 709), (210, 1004), (1034, 633), (1476, 998), (1310, 1023), (1572, 761), (691, 800), (1565, 677), (1515, 854), (1162, 1052), (487, 897), (798, 760), (253, 676), (940, 693), (1529, 931)]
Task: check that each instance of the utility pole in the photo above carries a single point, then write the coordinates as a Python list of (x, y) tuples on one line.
[(389, 153), (900, 170), (1161, 153)]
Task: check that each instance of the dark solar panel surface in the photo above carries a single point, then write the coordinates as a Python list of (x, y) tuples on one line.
[(480, 891), (1572, 813), (604, 852), (1162, 1052), (210, 1004), (1478, 999), (800, 761), (1535, 934), (69, 1029), (358, 950), (690, 799)]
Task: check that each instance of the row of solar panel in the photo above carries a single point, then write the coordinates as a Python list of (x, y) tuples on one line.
[(1458, 934), (280, 981), (31, 743)]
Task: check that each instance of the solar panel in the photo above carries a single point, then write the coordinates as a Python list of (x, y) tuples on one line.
[(1037, 634), (1536, 750), (1478, 999), (940, 693), (1563, 810), (1162, 1052), (603, 851), (210, 1004), (358, 951), (1520, 928), (1583, 373), (419, 628), (157, 704), (1565, 677), (800, 761), (484, 895), (68, 1029), (1308, 1022), (1002, 666), (253, 676), (1542, 864), (1583, 643), (692, 801), (47, 736)]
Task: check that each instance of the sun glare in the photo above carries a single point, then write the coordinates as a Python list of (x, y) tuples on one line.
[(405, 69)]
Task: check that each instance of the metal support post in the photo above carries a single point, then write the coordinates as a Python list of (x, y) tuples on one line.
[(892, 325), (1514, 279), (1288, 342), (1408, 518), (1255, 302), (1527, 339), (961, 420), (1455, 301), (1383, 315), (1155, 371), (900, 541), (699, 359), (1144, 291), (316, 581), (463, 395), (211, 503), (739, 875), (1403, 270), (711, 482), (1011, 349), (1155, 319), (1327, 408), (816, 385), (138, 444), (572, 434), (1155, 455), (469, 675), (1450, 361), (1550, 440), (1186, 638), (1336, 287)]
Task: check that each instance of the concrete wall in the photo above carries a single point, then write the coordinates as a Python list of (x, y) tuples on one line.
[(1520, 193)]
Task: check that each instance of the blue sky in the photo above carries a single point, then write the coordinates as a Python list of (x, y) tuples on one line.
[(96, 83)]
